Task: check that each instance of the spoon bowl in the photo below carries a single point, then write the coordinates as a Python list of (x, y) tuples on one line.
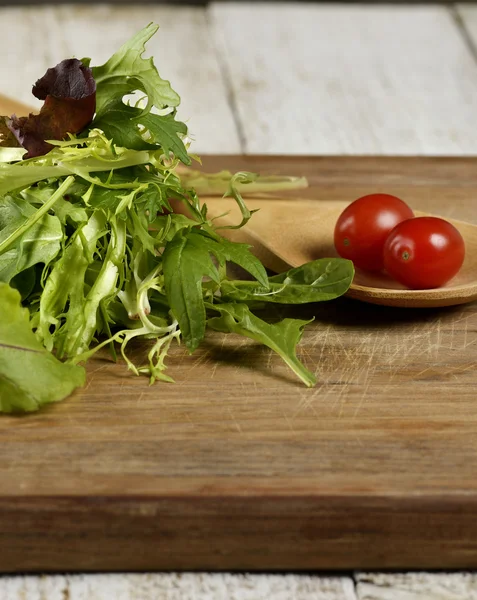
[(287, 232)]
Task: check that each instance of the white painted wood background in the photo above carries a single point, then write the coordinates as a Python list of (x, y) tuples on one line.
[(281, 78), (274, 78)]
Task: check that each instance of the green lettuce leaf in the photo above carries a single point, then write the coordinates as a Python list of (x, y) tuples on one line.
[(97, 157), (65, 210), (30, 376), (40, 244), (127, 71)]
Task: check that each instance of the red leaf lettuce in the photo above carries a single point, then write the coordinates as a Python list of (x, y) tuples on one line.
[(69, 92)]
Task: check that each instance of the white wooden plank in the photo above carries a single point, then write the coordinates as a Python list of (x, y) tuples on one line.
[(468, 16), (353, 79), (35, 38), (416, 586), (173, 586)]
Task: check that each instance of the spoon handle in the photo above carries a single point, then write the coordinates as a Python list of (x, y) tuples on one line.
[(8, 106)]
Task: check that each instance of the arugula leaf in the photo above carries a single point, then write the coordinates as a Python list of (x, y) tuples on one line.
[(186, 261), (30, 376), (168, 225), (240, 254), (154, 200), (126, 72), (116, 124), (121, 123), (281, 337), (164, 130), (316, 281)]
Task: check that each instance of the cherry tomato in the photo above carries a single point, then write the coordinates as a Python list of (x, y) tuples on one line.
[(424, 252), (364, 225)]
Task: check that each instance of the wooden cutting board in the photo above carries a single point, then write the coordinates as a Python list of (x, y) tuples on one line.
[(237, 466)]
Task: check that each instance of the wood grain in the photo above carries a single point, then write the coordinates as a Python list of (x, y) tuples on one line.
[(349, 79), (177, 586), (416, 586), (239, 467)]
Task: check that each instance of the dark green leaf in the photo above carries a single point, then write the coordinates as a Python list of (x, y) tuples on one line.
[(121, 123), (153, 200), (118, 125), (186, 261), (164, 130), (168, 225), (240, 254), (105, 198), (24, 282), (281, 337), (316, 281)]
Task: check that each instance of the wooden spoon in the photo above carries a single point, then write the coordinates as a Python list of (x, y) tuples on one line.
[(8, 107), (289, 232)]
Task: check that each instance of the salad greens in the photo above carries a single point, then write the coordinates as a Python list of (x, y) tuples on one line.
[(69, 92), (20, 353), (92, 246)]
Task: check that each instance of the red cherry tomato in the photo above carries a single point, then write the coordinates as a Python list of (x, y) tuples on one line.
[(424, 252), (364, 225)]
